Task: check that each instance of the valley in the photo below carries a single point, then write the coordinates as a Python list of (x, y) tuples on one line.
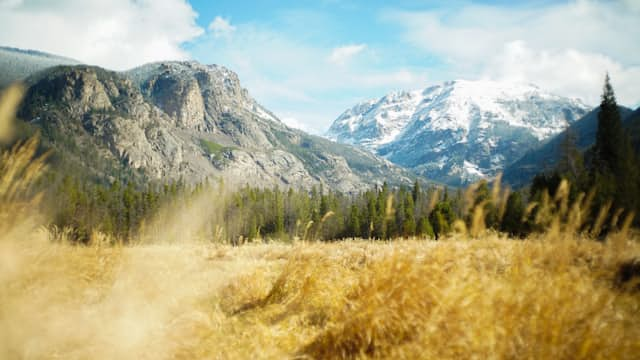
[(207, 180)]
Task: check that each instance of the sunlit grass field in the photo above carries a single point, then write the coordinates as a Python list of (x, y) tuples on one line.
[(485, 298), (475, 294)]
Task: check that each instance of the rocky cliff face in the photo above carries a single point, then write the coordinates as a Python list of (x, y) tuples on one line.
[(459, 131), (183, 120)]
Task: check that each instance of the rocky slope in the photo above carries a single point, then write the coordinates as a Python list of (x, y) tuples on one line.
[(459, 131), (183, 120)]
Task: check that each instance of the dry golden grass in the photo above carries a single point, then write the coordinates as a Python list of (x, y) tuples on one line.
[(484, 298), (552, 296)]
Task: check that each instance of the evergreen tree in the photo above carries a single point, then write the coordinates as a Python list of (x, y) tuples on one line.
[(482, 198), (279, 213), (512, 221), (425, 228), (614, 169), (382, 216), (610, 135), (548, 182), (409, 223), (441, 218), (395, 228), (372, 212), (354, 222), (416, 191)]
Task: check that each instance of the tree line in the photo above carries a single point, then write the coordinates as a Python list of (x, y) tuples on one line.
[(249, 213), (609, 170), (119, 209)]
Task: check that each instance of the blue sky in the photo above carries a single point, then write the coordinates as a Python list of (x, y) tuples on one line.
[(310, 60)]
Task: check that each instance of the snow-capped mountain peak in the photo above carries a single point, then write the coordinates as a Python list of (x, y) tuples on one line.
[(380, 121), (481, 126)]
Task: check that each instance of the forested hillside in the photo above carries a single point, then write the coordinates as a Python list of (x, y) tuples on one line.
[(581, 135)]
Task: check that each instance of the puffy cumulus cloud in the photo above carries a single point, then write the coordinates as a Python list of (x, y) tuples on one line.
[(563, 47), (116, 34), (221, 27), (569, 72), (342, 54)]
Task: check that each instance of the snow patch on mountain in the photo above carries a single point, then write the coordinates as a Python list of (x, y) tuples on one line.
[(378, 121), (481, 126)]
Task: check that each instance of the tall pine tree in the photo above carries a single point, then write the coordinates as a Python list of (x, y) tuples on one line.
[(614, 171)]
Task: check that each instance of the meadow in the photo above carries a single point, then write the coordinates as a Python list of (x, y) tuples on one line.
[(485, 298), (473, 294)]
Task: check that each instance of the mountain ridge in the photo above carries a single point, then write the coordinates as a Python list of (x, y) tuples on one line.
[(546, 156), (18, 64), (459, 131), (174, 120)]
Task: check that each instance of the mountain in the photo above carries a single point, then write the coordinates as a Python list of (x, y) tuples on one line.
[(546, 156), (18, 64), (459, 131), (632, 122), (184, 120)]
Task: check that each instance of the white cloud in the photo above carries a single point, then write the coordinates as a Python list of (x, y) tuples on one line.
[(221, 27), (293, 121), (564, 47), (117, 34), (632, 5), (296, 81), (7, 4), (343, 54), (569, 72)]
